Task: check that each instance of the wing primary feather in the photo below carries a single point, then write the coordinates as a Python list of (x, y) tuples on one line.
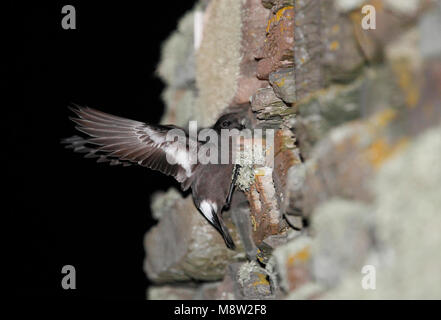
[(123, 141)]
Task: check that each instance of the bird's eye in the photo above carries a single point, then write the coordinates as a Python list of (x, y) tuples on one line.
[(226, 123)]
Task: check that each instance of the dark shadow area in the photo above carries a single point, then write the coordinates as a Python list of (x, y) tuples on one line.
[(68, 210)]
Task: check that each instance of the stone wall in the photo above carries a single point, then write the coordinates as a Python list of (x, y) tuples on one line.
[(357, 173)]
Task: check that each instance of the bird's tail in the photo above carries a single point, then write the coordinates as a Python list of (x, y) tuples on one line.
[(81, 145), (222, 228)]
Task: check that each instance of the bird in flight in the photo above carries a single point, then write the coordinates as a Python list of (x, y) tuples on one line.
[(118, 140)]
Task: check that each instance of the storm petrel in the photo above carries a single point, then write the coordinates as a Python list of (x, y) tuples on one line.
[(123, 141)]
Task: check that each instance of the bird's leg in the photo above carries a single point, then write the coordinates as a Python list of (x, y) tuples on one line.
[(232, 185)]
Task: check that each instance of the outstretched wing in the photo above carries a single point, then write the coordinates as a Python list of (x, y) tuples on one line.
[(121, 140)]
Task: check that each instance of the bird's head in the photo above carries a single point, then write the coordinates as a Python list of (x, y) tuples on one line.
[(230, 121)]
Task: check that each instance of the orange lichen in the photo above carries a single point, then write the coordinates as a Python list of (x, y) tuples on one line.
[(278, 16), (335, 29), (301, 256), (280, 83), (262, 280), (382, 119), (380, 150), (407, 82), (335, 45)]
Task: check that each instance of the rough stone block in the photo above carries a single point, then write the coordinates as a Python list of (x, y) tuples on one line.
[(263, 98), (343, 237), (293, 263), (254, 17), (218, 59), (375, 90), (245, 281), (343, 163), (184, 246), (307, 48), (278, 49), (170, 292), (207, 291), (283, 83), (265, 215), (341, 58), (406, 222)]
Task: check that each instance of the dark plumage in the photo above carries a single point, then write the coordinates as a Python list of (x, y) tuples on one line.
[(118, 140)]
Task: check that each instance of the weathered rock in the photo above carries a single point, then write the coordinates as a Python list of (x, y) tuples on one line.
[(265, 215), (177, 62), (268, 245), (184, 246), (283, 83), (406, 8), (163, 202), (328, 40), (343, 238), (307, 48), (267, 192), (207, 291), (278, 50), (218, 59), (374, 91), (342, 164), (277, 112), (286, 155), (341, 58), (227, 289), (170, 292), (406, 220), (245, 281), (392, 19), (271, 112), (292, 203), (427, 112), (417, 68), (293, 263), (404, 57), (177, 70), (429, 26), (348, 5), (254, 17), (309, 291), (180, 106), (265, 97), (253, 282)]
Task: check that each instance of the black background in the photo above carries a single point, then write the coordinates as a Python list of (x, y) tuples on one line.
[(68, 210)]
